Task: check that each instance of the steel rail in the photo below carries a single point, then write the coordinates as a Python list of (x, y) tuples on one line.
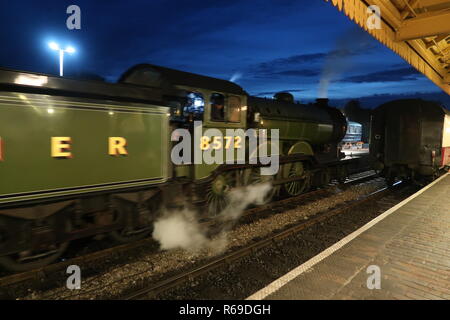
[(42, 272), (167, 284)]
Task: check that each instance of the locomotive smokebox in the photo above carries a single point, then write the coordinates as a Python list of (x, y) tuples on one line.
[(322, 102)]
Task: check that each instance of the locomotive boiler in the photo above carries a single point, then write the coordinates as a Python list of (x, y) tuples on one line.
[(308, 134)]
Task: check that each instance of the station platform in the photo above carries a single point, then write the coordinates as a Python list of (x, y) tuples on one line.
[(408, 246)]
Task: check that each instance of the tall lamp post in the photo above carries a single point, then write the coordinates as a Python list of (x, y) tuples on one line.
[(55, 46)]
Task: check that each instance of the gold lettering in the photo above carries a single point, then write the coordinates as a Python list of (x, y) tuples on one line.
[(117, 146), (61, 147)]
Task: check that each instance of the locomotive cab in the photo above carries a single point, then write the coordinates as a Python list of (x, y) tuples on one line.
[(216, 102)]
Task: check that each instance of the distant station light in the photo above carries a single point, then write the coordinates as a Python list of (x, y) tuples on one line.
[(56, 47)]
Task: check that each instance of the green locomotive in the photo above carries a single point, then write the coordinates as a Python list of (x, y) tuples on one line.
[(84, 158)]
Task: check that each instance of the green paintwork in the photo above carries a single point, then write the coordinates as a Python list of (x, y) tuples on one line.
[(314, 133), (26, 128), (203, 170)]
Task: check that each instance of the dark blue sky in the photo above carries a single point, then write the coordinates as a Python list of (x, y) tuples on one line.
[(265, 46)]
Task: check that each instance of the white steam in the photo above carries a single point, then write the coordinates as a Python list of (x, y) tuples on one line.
[(241, 198), (236, 76), (180, 229), (351, 43)]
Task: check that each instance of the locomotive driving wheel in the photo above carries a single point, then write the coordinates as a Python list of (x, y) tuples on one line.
[(31, 258), (294, 188), (217, 194)]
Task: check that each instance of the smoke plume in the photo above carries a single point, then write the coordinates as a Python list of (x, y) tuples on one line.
[(351, 43), (236, 76)]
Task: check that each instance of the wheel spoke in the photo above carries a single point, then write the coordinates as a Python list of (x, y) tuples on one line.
[(296, 187), (217, 193)]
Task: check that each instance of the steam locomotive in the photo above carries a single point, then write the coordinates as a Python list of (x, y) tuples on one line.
[(86, 158)]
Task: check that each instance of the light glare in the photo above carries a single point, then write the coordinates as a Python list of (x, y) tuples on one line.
[(53, 46), (31, 80)]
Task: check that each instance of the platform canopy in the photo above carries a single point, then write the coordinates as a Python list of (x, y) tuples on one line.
[(417, 30)]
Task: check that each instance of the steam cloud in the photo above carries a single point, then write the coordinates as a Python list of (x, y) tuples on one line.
[(351, 43), (180, 228), (236, 76)]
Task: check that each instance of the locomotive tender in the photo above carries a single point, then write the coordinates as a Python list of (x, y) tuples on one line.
[(410, 139), (86, 158)]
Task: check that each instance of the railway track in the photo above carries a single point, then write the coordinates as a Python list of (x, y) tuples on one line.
[(253, 213), (156, 289)]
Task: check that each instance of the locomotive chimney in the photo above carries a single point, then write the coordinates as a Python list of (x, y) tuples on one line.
[(322, 102)]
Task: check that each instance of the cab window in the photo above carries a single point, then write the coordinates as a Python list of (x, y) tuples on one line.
[(195, 105), (217, 107), (234, 109)]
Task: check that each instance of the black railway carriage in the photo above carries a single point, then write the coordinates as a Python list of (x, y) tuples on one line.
[(410, 139)]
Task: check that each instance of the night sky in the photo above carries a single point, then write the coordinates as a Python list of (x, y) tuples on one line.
[(264, 46)]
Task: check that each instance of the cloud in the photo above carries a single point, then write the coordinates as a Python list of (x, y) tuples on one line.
[(293, 66), (373, 101), (268, 93), (288, 73), (289, 61), (298, 73), (300, 65), (393, 75), (312, 57)]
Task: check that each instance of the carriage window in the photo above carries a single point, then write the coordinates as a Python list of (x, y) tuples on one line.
[(234, 109), (217, 107)]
